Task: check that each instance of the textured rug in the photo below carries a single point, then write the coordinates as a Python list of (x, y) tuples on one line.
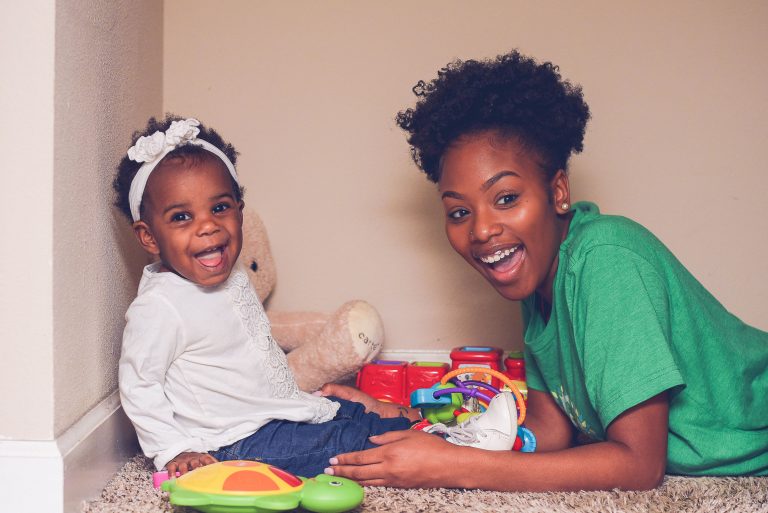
[(131, 491)]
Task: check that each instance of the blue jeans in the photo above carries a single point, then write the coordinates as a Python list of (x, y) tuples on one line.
[(304, 449)]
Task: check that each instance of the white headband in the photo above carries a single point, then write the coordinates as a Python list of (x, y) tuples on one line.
[(153, 148)]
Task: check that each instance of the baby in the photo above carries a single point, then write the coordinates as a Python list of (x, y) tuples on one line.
[(200, 376)]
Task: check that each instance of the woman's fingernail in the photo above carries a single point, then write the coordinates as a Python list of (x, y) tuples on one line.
[(328, 471), (333, 461), (317, 392)]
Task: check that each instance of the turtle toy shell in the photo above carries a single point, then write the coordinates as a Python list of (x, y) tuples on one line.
[(241, 486)]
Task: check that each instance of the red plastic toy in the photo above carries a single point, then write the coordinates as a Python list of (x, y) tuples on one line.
[(384, 380), (514, 369), (422, 375), (478, 356), (514, 366), (393, 381)]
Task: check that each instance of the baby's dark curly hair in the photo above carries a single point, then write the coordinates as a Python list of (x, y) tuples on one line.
[(512, 94), (128, 168)]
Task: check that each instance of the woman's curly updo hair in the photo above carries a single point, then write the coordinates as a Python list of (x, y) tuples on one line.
[(512, 94), (128, 168)]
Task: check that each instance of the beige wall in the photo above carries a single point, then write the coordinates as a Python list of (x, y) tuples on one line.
[(26, 143), (108, 82), (85, 74), (307, 92)]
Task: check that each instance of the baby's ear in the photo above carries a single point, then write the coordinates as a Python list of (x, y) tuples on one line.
[(146, 239)]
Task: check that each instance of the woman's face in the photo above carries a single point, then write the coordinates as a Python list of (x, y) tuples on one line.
[(502, 215)]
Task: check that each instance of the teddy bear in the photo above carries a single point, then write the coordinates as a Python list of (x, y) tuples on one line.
[(321, 347)]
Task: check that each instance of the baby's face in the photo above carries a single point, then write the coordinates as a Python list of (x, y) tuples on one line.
[(193, 222)]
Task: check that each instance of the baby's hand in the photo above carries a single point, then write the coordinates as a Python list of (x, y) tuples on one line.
[(187, 461), (384, 410)]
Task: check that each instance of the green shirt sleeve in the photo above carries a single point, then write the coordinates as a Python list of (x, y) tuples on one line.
[(621, 322), (533, 378)]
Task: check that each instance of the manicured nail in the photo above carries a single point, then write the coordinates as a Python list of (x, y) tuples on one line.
[(328, 471), (318, 393), (333, 461)]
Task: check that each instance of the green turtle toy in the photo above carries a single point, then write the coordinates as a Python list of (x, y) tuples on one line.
[(241, 486)]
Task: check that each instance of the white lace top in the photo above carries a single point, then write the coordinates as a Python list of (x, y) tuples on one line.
[(199, 369)]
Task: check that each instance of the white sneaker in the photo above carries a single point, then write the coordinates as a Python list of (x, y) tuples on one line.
[(494, 430)]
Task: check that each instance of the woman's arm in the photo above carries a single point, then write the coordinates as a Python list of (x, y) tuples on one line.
[(632, 458), (552, 428)]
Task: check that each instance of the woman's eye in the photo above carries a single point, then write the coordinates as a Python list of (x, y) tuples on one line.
[(507, 199), (221, 207), (181, 216), (458, 213)]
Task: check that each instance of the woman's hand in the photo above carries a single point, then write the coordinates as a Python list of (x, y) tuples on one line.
[(404, 459), (632, 458), (187, 461), (384, 410)]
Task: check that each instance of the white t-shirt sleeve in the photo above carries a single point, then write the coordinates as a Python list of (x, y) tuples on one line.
[(153, 338)]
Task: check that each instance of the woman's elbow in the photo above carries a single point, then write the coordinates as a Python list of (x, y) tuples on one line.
[(647, 478)]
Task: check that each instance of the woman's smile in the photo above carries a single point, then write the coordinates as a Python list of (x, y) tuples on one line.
[(503, 264)]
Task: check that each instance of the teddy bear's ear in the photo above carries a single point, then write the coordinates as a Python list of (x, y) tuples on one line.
[(256, 254)]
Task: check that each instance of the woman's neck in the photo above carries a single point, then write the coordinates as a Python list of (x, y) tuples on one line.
[(544, 291)]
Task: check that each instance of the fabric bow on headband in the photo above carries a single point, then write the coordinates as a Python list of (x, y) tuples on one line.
[(151, 149)]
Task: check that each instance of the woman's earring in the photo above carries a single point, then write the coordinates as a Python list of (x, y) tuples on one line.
[(565, 205)]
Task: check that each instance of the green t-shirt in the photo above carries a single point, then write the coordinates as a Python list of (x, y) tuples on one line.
[(628, 322)]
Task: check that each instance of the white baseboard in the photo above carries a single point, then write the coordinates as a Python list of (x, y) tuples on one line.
[(31, 476), (56, 476), (416, 355), (94, 449)]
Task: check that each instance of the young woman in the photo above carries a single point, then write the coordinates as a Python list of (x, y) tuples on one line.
[(634, 370)]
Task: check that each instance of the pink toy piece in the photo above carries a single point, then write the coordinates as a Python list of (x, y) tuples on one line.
[(160, 477)]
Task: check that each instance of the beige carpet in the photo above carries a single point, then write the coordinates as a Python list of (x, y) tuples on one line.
[(130, 491)]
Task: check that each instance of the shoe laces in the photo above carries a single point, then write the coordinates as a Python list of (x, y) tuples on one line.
[(465, 433)]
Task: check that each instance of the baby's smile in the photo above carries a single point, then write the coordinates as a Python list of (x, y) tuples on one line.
[(211, 257)]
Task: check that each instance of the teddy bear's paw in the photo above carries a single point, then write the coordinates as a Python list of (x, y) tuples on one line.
[(351, 337), (366, 329)]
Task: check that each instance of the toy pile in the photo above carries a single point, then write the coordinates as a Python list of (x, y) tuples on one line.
[(476, 383)]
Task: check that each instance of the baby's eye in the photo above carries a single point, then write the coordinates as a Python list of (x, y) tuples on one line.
[(180, 216), (507, 199), (221, 207), (458, 213)]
